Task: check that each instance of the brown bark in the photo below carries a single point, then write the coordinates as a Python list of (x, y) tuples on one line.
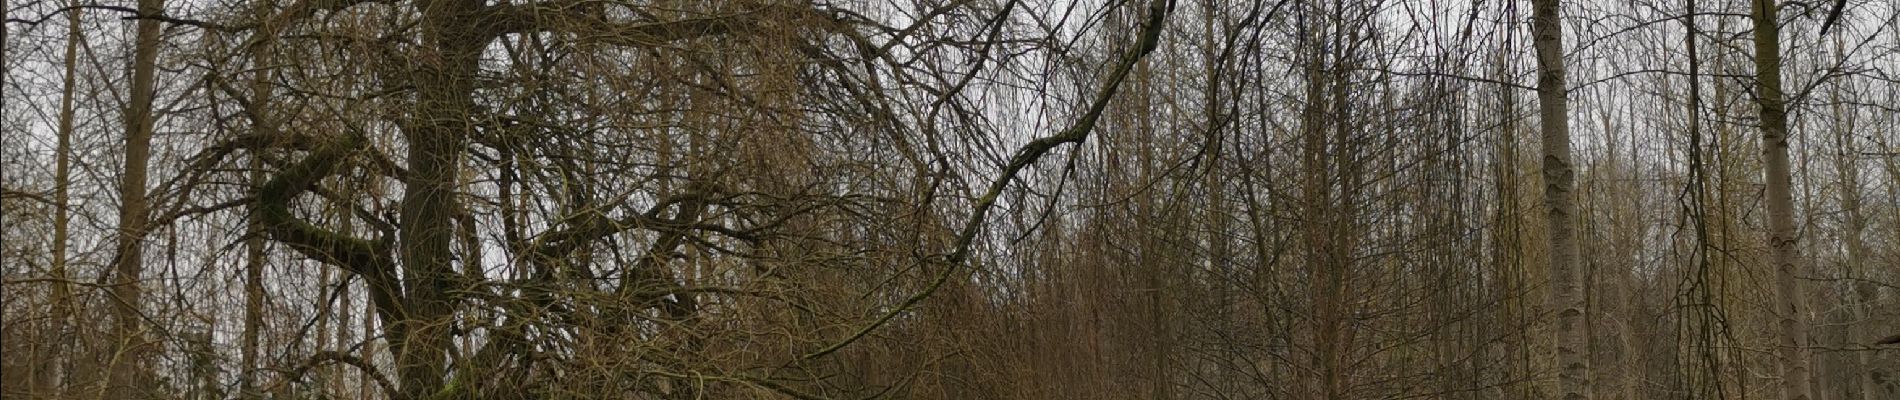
[(1329, 200), (445, 84), (254, 243), (46, 382), (130, 373), (253, 308), (1316, 194), (1861, 293)]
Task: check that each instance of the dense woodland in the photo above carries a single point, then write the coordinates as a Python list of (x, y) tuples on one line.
[(951, 199)]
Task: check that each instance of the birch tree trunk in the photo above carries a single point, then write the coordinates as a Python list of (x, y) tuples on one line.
[(1566, 295), (1780, 202)]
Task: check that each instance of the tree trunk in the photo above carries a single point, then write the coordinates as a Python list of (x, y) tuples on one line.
[(445, 85), (1862, 291), (1566, 295), (1780, 203), (47, 382), (1508, 243), (1316, 202), (1154, 263), (253, 305), (254, 243), (130, 372), (345, 306)]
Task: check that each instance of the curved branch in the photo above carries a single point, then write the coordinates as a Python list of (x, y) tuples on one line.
[(1025, 156), (273, 210), (593, 225), (330, 356)]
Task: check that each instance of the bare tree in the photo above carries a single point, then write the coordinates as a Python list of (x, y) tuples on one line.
[(130, 374), (1567, 289), (1782, 240)]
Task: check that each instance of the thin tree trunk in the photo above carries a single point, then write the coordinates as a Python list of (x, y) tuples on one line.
[(254, 242), (1780, 203), (130, 372), (369, 350), (1615, 303), (345, 307), (1153, 262), (1861, 291), (1573, 375), (1316, 196), (47, 380), (253, 306), (1508, 251)]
